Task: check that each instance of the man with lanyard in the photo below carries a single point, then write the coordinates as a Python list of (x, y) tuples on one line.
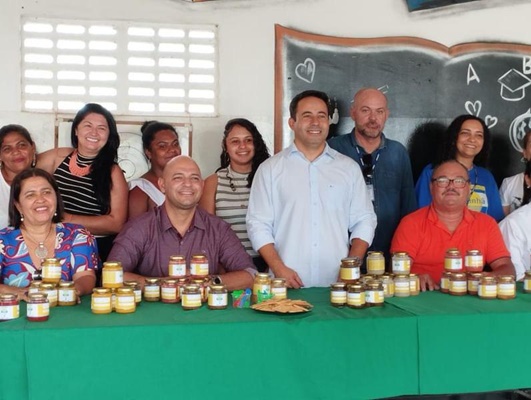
[(384, 162)]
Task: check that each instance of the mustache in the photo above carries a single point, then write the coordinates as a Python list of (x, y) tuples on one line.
[(451, 191)]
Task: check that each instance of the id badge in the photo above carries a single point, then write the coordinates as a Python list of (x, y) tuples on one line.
[(370, 189)]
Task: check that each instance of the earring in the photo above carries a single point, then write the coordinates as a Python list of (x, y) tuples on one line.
[(55, 214), (21, 217), (34, 161)]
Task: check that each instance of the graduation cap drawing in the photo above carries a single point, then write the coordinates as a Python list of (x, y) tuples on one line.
[(513, 84)]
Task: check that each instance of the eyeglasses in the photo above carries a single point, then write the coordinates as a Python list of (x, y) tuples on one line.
[(367, 166), (444, 182)]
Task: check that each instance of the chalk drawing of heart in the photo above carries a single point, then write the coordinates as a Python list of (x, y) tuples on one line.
[(306, 70), (491, 121), (473, 108)]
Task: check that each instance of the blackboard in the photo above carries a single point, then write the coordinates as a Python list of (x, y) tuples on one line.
[(424, 82)]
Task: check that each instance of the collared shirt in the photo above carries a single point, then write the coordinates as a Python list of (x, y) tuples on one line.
[(512, 191), (484, 198), (310, 211), (516, 232), (394, 193), (426, 239), (146, 243)]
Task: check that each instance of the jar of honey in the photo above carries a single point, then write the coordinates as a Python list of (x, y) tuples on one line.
[(527, 282), (169, 293), (51, 270), (402, 285), (137, 290), (338, 294), (401, 263), (487, 288), (50, 289), (199, 266), (445, 282), (458, 284), (375, 263), (261, 287), (191, 299), (453, 262), (414, 285), (125, 300), (506, 287), (279, 289), (388, 284), (38, 308), (473, 282), (34, 287), (112, 274), (218, 297), (356, 295), (374, 293), (177, 267), (473, 261), (349, 271), (9, 306), (152, 289), (101, 301), (66, 294)]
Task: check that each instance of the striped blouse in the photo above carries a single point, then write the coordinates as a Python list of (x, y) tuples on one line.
[(232, 199)]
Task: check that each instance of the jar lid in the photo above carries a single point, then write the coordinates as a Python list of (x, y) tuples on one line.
[(473, 252), (374, 254), (278, 280), (356, 285), (101, 291), (505, 278), (198, 257), (124, 290), (453, 252), (8, 296), (169, 281), (488, 279), (400, 254), (51, 260), (133, 284), (217, 287), (37, 296), (351, 262), (458, 275), (66, 284), (112, 264), (338, 285), (178, 258), (48, 286), (152, 281)]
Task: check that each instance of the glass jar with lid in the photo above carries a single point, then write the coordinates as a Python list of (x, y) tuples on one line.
[(375, 263), (356, 295), (125, 300), (51, 291), (338, 294), (261, 287), (152, 289), (374, 293), (169, 292), (199, 266), (218, 297), (9, 306), (191, 299), (38, 308), (101, 301), (388, 284), (137, 290), (453, 261), (401, 263), (177, 266), (458, 284), (506, 287), (473, 282), (51, 270), (445, 282), (279, 289), (527, 282), (474, 261), (349, 271), (487, 288), (414, 285), (402, 285), (34, 287), (66, 294), (112, 275)]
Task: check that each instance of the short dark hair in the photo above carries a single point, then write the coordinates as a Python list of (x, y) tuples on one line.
[(308, 93), (16, 186), (150, 128), (451, 161), (7, 129), (261, 152), (450, 140)]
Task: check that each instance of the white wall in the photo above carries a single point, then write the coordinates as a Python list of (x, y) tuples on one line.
[(247, 42)]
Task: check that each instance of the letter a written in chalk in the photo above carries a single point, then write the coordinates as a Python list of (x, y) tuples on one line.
[(526, 65), (472, 75)]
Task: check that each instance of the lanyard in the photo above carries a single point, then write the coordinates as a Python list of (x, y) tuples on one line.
[(375, 159)]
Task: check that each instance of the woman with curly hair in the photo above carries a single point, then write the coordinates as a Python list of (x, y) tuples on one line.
[(226, 192)]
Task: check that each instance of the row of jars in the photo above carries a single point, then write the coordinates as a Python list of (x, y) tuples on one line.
[(265, 287), (478, 284)]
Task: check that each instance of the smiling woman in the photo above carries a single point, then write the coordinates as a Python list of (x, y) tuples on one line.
[(91, 199), (36, 233)]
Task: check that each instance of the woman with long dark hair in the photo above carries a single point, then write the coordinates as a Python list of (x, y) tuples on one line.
[(91, 183), (226, 192), (467, 140)]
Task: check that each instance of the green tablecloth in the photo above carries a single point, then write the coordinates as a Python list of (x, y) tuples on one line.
[(467, 344), (163, 352)]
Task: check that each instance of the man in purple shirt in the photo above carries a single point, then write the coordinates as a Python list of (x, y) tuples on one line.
[(180, 227)]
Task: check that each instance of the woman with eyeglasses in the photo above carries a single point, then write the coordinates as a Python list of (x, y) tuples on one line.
[(36, 232), (17, 153), (226, 192), (161, 143), (512, 188), (467, 140)]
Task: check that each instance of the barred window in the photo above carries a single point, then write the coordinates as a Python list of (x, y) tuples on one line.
[(129, 68)]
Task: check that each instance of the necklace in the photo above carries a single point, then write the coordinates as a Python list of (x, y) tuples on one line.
[(40, 251), (241, 191), (75, 169)]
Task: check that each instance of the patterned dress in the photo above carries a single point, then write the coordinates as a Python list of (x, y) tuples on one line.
[(75, 247)]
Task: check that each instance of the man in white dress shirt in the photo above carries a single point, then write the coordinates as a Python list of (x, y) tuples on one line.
[(309, 206)]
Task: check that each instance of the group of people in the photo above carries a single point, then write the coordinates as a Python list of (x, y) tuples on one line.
[(295, 214)]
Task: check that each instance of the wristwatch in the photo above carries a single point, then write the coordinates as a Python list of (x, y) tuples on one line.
[(217, 280)]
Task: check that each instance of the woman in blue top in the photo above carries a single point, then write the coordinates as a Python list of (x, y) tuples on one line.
[(467, 140)]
